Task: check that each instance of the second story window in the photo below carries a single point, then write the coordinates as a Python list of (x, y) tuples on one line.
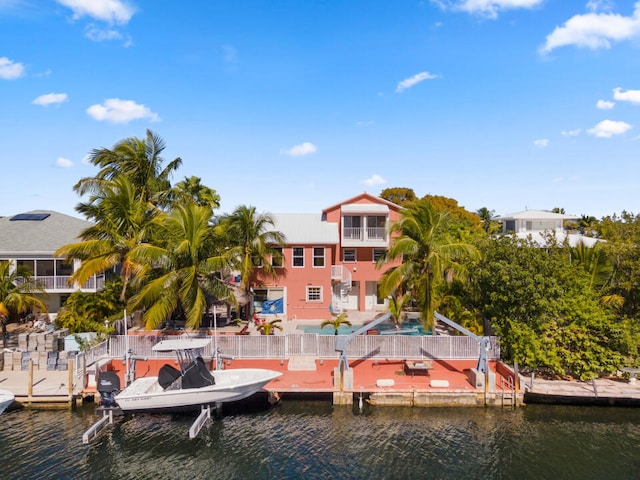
[(277, 259), (318, 256), (352, 227), (298, 256), (349, 255), (377, 253)]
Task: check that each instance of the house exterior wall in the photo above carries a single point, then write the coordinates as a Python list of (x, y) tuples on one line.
[(348, 280)]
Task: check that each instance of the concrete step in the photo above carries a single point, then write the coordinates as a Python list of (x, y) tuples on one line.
[(302, 363)]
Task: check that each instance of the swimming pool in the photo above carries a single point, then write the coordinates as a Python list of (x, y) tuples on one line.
[(409, 327)]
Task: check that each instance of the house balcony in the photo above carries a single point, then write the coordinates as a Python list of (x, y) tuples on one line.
[(60, 283), (341, 274), (365, 237)]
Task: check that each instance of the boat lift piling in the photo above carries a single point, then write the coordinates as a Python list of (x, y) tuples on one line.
[(96, 428), (205, 414)]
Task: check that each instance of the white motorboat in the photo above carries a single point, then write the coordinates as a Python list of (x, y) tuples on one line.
[(193, 385), (6, 399)]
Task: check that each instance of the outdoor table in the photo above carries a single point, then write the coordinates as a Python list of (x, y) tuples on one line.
[(418, 368)]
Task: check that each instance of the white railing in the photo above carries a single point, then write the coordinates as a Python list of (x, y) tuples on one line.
[(53, 283), (376, 233), (352, 233), (322, 346)]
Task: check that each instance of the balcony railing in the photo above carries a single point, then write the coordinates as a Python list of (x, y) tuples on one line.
[(61, 282), (369, 234)]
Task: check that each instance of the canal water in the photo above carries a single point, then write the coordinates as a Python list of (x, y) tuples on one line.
[(316, 440)]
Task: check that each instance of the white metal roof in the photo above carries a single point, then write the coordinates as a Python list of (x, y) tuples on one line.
[(537, 215), (183, 343), (306, 229)]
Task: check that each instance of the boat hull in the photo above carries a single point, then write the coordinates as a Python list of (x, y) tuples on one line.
[(146, 395), (6, 399)]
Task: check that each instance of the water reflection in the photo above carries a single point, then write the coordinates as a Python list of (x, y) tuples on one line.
[(308, 440)]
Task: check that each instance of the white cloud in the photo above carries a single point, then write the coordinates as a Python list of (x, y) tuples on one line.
[(10, 70), (412, 81), (50, 98), (486, 8), (609, 128), (115, 110), (102, 35), (605, 105), (305, 148), (62, 162), (110, 11), (374, 180), (599, 5), (594, 30), (632, 96), (541, 143), (571, 133)]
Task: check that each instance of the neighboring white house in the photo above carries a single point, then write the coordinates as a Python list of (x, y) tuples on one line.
[(28, 240), (540, 223)]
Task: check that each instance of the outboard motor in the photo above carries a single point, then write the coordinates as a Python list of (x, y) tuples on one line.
[(108, 387)]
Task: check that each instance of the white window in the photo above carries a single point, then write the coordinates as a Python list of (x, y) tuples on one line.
[(377, 253), (277, 259), (349, 255), (298, 256), (314, 294), (318, 256)]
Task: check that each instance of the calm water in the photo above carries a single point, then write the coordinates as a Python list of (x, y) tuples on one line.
[(409, 327), (315, 440)]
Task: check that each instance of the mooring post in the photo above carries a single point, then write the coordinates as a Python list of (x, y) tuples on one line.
[(30, 376)]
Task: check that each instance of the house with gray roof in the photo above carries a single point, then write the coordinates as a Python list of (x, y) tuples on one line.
[(29, 240)]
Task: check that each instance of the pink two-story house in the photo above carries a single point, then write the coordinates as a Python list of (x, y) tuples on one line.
[(329, 261)]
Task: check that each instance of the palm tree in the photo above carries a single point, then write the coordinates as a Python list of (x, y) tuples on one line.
[(396, 305), (427, 255), (587, 223), (269, 328), (336, 322), (184, 268), (252, 240), (122, 224), (140, 161), (487, 216), (17, 296), (192, 190)]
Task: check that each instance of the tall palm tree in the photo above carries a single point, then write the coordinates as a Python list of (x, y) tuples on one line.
[(427, 255), (336, 322), (487, 216), (140, 161), (184, 268), (122, 224), (252, 239), (17, 296)]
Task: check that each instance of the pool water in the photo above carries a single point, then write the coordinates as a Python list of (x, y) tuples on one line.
[(409, 327)]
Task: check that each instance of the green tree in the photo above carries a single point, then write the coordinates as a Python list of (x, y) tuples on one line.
[(88, 312), (122, 224), (336, 322), (428, 254), (251, 238), (397, 304), (137, 159), (186, 268), (18, 295), (489, 224), (191, 190), (399, 196)]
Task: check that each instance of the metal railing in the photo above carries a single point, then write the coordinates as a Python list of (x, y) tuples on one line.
[(61, 282), (322, 346)]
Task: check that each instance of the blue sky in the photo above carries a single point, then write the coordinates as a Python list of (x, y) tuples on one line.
[(294, 106)]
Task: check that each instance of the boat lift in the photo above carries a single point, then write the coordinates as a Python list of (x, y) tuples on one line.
[(343, 341), (484, 343)]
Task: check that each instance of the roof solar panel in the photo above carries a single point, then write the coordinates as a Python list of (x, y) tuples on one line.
[(30, 216)]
